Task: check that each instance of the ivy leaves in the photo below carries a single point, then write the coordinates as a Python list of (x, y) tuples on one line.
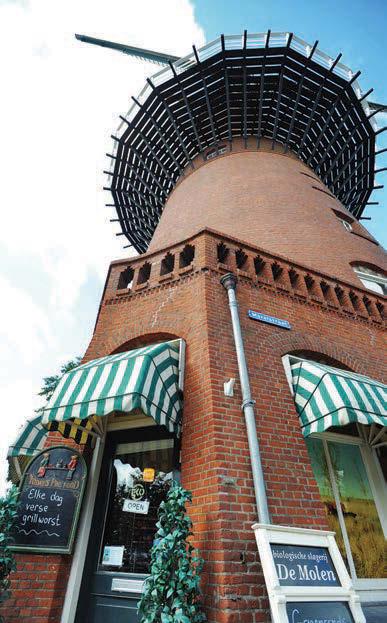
[(172, 591), (8, 512)]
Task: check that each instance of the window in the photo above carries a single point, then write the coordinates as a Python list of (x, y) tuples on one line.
[(349, 466), (142, 475), (346, 224), (216, 151), (345, 220), (340, 465), (372, 279)]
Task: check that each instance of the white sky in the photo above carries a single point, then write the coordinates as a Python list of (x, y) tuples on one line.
[(60, 102)]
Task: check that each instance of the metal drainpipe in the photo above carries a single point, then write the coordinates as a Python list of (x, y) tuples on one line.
[(229, 281)]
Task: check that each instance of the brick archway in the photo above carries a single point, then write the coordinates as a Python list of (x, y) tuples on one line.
[(281, 344), (145, 340)]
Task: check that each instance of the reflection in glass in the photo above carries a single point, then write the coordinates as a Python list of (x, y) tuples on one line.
[(362, 524), (368, 545), (321, 473), (142, 473)]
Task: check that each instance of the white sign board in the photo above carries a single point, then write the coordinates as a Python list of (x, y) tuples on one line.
[(305, 576), (134, 506), (113, 555)]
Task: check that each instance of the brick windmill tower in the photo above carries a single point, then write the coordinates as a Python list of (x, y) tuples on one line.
[(241, 174)]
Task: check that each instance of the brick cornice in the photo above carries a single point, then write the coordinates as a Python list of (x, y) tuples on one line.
[(261, 269)]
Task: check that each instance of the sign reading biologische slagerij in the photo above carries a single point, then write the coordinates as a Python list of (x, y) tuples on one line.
[(50, 497), (298, 565)]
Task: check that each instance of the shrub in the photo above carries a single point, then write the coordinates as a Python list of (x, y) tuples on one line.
[(172, 591), (8, 506)]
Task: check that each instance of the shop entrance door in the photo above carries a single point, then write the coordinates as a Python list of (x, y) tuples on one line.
[(136, 472)]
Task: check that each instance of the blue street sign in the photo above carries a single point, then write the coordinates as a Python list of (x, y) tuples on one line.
[(284, 324)]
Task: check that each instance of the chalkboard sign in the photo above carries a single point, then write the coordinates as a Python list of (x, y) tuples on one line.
[(311, 611), (50, 497), (306, 578), (298, 565)]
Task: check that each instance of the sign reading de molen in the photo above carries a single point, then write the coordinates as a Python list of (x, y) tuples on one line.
[(50, 497), (299, 565)]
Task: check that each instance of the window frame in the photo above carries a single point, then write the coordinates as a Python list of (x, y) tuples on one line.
[(379, 279), (346, 224), (375, 478), (376, 482)]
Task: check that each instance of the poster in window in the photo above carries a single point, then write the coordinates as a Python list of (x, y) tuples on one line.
[(361, 519)]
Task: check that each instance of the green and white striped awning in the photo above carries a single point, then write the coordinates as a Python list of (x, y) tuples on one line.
[(32, 438), (326, 397), (145, 378)]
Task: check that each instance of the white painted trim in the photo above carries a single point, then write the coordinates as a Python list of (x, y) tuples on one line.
[(122, 422), (339, 437), (79, 556), (182, 350), (336, 495), (288, 372), (279, 595), (377, 484)]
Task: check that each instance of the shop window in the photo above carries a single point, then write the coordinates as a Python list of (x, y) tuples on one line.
[(340, 469), (142, 473), (372, 279), (349, 464)]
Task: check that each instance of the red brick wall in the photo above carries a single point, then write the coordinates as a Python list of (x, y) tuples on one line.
[(271, 200), (38, 588), (192, 304)]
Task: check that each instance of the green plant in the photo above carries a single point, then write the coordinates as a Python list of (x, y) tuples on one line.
[(8, 511), (172, 591), (50, 382)]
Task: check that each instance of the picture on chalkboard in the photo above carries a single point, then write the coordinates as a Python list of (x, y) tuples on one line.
[(50, 497)]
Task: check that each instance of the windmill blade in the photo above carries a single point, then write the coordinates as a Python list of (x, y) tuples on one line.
[(160, 58)]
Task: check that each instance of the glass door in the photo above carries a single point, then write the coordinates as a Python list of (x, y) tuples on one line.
[(135, 477)]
